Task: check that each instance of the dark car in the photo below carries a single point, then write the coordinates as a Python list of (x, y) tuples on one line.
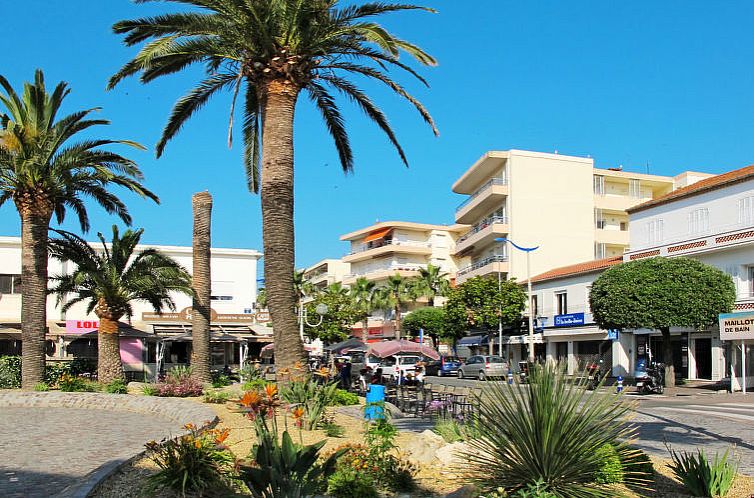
[(445, 366)]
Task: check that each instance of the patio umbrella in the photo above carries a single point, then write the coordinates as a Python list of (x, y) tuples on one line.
[(347, 345), (389, 348)]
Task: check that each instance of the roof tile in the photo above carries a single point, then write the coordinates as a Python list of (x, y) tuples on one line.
[(577, 269)]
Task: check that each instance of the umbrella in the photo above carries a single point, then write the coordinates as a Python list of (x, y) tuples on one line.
[(389, 348), (347, 345)]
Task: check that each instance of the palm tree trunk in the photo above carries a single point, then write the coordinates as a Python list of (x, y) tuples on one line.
[(202, 282), (277, 219), (109, 365), (34, 228), (667, 357), (397, 319), (365, 328)]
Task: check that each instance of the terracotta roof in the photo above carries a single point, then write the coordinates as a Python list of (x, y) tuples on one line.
[(711, 183), (577, 269)]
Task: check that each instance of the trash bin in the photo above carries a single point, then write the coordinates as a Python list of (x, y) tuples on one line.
[(376, 394)]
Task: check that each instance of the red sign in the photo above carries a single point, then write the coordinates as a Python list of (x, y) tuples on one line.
[(81, 326)]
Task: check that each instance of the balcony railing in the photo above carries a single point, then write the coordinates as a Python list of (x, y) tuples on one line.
[(391, 268), (383, 243), (488, 184), (498, 258), (482, 225)]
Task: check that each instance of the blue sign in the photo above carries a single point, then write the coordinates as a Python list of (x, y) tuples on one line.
[(569, 320), (612, 334)]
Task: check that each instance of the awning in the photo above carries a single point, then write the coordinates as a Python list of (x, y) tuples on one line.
[(377, 234), (213, 337), (473, 340)]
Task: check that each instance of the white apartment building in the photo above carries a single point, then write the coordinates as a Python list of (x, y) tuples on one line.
[(73, 333), (564, 205), (712, 221), (326, 272)]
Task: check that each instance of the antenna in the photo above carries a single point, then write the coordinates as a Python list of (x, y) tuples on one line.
[(647, 166)]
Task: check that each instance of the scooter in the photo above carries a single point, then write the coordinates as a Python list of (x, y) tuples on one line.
[(595, 375), (653, 382)]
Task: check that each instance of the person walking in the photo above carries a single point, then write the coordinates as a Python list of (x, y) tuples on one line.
[(345, 375)]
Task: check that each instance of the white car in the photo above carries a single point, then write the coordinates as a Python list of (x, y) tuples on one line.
[(393, 366)]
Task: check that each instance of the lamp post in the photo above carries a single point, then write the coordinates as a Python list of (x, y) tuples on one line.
[(303, 318), (528, 251)]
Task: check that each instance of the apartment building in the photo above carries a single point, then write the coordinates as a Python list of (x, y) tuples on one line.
[(74, 333), (326, 272), (711, 220), (561, 204)]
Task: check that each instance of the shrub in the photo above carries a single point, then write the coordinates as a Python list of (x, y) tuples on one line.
[(41, 386), (611, 470), (251, 371), (150, 390), (180, 383), (220, 381), (349, 483), (332, 429), (527, 435), (195, 462), (312, 396), (72, 384), (454, 429), (118, 386), (218, 397), (254, 384), (637, 463), (10, 372), (701, 476), (81, 366), (54, 371), (342, 397)]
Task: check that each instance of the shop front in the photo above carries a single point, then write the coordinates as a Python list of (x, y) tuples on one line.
[(737, 332)]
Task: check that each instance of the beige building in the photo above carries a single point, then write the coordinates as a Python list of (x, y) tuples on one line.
[(386, 248), (563, 204), (326, 272)]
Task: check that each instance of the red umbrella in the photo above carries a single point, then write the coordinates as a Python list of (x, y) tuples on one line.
[(389, 348)]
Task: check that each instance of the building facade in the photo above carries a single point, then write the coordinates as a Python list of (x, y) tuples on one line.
[(74, 333), (326, 272), (562, 204)]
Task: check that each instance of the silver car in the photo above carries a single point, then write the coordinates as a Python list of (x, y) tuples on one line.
[(483, 367)]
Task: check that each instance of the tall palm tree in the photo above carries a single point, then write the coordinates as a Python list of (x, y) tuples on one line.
[(397, 292), (45, 172), (430, 283), (364, 296), (301, 285), (202, 279), (270, 52), (110, 280), (335, 289)]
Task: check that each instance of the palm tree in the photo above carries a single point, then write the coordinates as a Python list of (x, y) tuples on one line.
[(202, 279), (44, 173), (364, 296), (110, 280), (335, 289), (301, 285), (430, 283), (395, 294), (269, 52)]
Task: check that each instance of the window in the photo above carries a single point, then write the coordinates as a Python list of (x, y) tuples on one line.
[(699, 221), (534, 305), (561, 302), (221, 298), (623, 226), (655, 231), (599, 184), (751, 281), (634, 189), (599, 219), (10, 284), (746, 210), (600, 250)]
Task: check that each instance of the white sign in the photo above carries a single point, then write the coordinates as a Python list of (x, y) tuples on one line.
[(735, 326)]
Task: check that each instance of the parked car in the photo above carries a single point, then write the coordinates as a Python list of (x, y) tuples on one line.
[(360, 360), (483, 367), (446, 365), (396, 366)]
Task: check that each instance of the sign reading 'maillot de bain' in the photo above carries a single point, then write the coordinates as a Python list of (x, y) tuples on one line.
[(736, 326)]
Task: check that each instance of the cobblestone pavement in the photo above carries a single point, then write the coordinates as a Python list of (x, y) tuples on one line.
[(50, 451)]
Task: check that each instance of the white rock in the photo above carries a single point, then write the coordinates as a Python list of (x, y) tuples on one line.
[(450, 455)]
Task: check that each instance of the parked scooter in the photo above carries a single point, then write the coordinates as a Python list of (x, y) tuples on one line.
[(594, 375), (653, 382)]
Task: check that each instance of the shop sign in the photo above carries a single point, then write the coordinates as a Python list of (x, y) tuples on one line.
[(734, 326), (81, 326), (569, 320), (612, 334), (186, 315)]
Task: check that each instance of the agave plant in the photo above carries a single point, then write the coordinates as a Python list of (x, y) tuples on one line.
[(549, 434)]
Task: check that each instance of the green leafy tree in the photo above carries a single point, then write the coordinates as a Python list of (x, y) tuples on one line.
[(269, 52), (430, 319), (366, 301), (659, 293), (430, 283), (480, 303), (262, 298), (397, 292), (109, 279), (342, 314), (45, 173)]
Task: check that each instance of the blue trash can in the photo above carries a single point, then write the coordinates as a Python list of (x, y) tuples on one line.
[(376, 394)]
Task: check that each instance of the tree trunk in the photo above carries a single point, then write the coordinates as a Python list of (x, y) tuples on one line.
[(365, 329), (667, 357), (398, 320), (34, 226), (109, 365), (277, 219), (202, 283)]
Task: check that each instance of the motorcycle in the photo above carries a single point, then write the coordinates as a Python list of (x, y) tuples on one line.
[(653, 381), (594, 375)]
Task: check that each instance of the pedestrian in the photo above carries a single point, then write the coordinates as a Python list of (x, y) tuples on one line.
[(365, 377), (345, 375)]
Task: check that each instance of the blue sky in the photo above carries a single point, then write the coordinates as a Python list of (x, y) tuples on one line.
[(665, 85)]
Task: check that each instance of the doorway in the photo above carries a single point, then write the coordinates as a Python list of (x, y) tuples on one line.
[(703, 356)]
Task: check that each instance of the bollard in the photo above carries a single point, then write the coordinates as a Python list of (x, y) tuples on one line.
[(510, 376), (619, 386)]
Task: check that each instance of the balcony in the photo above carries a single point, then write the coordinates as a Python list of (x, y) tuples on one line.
[(483, 233), (484, 200), (384, 247), (407, 270), (611, 237), (492, 265), (617, 203)]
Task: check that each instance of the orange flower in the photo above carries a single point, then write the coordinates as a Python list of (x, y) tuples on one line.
[(298, 412), (250, 398), (222, 436), (284, 371), (323, 371), (271, 390), (298, 366), (189, 427), (197, 444)]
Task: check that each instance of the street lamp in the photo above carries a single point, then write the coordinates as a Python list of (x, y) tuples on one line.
[(303, 318), (528, 251)]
